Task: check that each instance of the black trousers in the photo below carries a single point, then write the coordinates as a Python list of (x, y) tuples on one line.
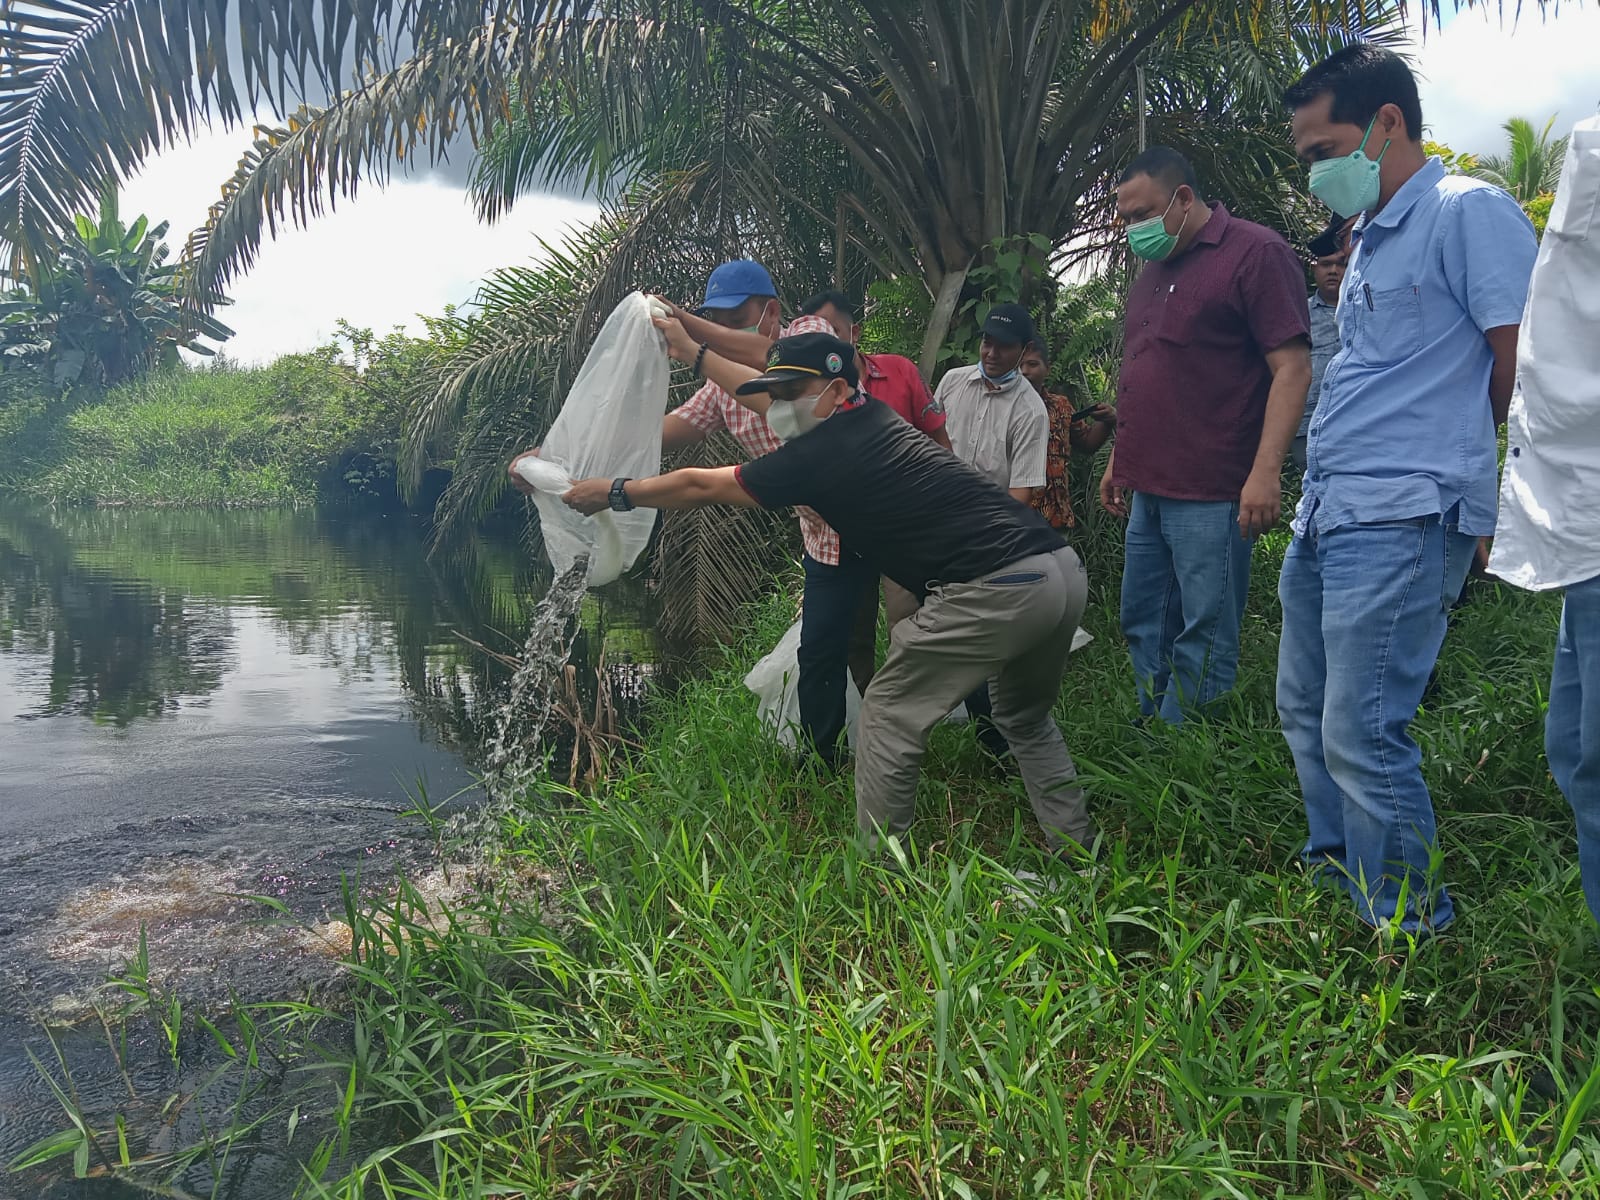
[(834, 597), (981, 711)]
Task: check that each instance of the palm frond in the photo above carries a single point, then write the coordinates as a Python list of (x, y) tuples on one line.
[(602, 89), (1531, 165), (91, 88), (297, 170)]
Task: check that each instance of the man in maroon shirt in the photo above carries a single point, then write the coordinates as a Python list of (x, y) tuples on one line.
[(895, 381), (1216, 363)]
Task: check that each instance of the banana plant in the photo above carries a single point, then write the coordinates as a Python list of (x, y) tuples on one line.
[(108, 307)]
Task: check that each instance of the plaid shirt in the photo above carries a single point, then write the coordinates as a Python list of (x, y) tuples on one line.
[(711, 409)]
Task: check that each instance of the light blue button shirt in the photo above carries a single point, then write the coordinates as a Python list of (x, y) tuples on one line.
[(1403, 427)]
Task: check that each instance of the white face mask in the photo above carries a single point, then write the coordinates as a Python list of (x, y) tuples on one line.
[(791, 418)]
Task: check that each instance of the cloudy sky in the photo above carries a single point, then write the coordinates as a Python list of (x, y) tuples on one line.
[(414, 247)]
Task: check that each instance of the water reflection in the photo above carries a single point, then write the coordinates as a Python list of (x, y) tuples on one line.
[(117, 650), (124, 616)]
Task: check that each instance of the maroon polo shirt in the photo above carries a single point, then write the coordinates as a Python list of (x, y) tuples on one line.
[(1194, 381)]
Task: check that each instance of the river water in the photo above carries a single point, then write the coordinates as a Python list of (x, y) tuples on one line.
[(197, 708)]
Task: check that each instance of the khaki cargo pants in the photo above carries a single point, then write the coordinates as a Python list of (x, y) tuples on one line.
[(1014, 628)]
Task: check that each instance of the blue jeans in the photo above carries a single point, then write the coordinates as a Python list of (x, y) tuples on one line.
[(1364, 615), (1572, 725), (833, 598), (1185, 579)]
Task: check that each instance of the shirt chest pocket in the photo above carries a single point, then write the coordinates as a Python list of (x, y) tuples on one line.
[(1188, 319), (1388, 322)]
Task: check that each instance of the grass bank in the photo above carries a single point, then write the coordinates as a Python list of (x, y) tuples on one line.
[(304, 427), (696, 987)]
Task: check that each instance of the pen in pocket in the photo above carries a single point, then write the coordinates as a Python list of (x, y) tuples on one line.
[(1366, 289)]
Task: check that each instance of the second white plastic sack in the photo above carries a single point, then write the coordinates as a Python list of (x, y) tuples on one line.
[(773, 681)]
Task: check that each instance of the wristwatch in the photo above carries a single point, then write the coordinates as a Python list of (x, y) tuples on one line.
[(619, 497)]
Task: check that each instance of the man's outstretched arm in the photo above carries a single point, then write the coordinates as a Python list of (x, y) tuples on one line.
[(692, 487), (735, 345), (725, 373)]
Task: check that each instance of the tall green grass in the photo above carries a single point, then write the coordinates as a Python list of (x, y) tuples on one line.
[(692, 984), (280, 434)]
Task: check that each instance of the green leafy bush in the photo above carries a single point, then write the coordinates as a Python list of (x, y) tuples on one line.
[(322, 424), (106, 308)]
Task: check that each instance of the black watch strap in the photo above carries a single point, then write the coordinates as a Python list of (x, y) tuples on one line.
[(619, 495)]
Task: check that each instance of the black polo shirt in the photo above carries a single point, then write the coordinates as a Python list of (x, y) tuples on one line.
[(898, 499)]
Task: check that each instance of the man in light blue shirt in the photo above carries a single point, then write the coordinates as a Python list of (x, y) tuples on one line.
[(1400, 472)]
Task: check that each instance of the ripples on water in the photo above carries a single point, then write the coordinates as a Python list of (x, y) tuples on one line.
[(201, 708)]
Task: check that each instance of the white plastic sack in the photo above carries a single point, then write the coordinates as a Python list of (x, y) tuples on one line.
[(610, 425), (773, 681)]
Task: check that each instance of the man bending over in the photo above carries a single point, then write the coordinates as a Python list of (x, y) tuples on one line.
[(1001, 595)]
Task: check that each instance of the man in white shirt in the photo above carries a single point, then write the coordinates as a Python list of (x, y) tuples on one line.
[(993, 415), (1548, 532), (998, 423)]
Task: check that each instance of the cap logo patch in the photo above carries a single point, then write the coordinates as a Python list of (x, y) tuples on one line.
[(774, 355), (835, 363)]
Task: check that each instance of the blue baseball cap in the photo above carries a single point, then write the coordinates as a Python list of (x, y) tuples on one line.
[(734, 282)]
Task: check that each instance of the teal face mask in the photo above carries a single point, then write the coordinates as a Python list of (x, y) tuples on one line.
[(1349, 184), (1149, 238)]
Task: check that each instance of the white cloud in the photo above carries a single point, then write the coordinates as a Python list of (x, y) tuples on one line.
[(1480, 70), (377, 260)]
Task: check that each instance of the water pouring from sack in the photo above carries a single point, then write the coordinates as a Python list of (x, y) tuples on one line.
[(609, 426)]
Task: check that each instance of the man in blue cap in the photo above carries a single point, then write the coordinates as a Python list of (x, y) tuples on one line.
[(738, 321)]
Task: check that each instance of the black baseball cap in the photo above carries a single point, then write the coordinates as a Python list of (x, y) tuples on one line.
[(806, 356), (1332, 240), (1010, 323)]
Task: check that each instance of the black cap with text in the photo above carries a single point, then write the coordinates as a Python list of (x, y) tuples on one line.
[(1009, 323), (805, 356)]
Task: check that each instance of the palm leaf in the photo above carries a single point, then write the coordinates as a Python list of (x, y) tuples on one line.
[(710, 563), (90, 88), (297, 170)]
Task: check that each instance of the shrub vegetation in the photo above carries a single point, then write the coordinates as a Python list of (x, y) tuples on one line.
[(319, 425)]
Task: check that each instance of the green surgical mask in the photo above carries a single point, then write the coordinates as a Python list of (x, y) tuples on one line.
[(1349, 184), (1149, 238)]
